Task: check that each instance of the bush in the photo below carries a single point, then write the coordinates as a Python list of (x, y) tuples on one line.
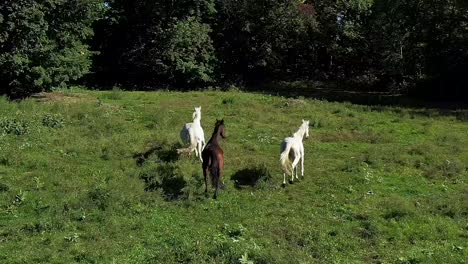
[(4, 187), (13, 126), (100, 197), (53, 121), (447, 169)]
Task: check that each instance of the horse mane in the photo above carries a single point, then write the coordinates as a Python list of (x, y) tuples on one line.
[(301, 131), (216, 129), (197, 114)]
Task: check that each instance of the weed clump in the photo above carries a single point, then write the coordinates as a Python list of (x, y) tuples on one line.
[(13, 126), (396, 208), (53, 121), (447, 169), (228, 101), (100, 197), (4, 187)]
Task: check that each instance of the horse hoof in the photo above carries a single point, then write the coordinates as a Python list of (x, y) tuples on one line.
[(291, 182), (283, 185)]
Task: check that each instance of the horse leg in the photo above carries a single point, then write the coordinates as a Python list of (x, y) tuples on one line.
[(284, 179), (216, 184), (294, 165), (302, 164), (205, 175), (200, 150), (297, 168), (221, 179), (194, 148)]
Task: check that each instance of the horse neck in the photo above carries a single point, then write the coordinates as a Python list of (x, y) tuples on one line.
[(300, 133), (196, 120), (215, 137)]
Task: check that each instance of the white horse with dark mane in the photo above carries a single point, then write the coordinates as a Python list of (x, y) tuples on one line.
[(292, 150), (193, 133)]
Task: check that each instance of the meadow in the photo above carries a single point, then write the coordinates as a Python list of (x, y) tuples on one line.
[(94, 177)]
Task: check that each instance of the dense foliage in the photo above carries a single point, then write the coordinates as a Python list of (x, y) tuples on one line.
[(148, 42), (42, 43), (404, 46)]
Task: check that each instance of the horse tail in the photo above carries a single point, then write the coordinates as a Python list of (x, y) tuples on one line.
[(284, 158), (214, 169)]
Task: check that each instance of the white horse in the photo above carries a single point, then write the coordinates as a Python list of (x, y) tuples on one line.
[(292, 150), (193, 133)]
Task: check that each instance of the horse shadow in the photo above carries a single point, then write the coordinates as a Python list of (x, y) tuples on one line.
[(251, 177), (161, 152)]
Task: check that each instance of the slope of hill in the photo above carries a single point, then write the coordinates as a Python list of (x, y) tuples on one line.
[(94, 177)]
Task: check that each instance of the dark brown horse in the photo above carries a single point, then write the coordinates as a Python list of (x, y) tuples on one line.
[(213, 157)]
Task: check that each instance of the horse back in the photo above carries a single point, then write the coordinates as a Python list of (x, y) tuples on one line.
[(213, 151)]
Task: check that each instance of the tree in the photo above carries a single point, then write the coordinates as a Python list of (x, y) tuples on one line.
[(156, 42), (42, 43), (423, 42), (257, 40)]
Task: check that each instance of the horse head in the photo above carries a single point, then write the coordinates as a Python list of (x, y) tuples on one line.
[(197, 113), (219, 127), (305, 125)]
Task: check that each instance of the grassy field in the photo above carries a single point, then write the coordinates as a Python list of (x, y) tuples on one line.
[(93, 177)]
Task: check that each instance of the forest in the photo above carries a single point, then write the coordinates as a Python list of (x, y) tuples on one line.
[(412, 47)]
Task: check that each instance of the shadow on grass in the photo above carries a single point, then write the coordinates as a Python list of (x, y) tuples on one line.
[(167, 178), (162, 152), (336, 92), (254, 177)]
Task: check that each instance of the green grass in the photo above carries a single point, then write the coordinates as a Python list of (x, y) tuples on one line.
[(92, 177)]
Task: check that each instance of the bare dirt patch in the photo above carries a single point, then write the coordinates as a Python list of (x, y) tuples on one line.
[(64, 97), (293, 102)]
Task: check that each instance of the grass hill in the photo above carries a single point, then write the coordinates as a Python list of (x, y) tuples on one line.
[(94, 177)]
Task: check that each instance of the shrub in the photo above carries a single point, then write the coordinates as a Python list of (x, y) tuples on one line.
[(4, 187), (13, 126), (100, 197), (228, 100), (53, 121), (447, 169)]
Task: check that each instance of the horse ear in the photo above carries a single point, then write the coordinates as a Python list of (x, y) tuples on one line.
[(222, 121)]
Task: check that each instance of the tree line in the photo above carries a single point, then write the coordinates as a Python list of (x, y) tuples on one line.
[(418, 47)]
